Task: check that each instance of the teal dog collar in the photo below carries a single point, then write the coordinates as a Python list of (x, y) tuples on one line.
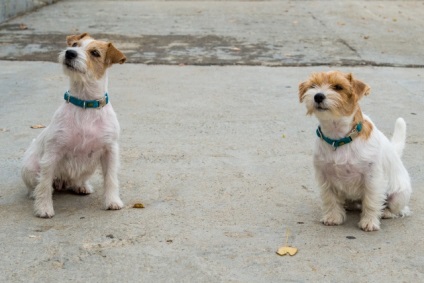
[(336, 143), (99, 103)]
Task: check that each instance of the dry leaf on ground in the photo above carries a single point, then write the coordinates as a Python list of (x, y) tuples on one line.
[(38, 126), (287, 249), (138, 205)]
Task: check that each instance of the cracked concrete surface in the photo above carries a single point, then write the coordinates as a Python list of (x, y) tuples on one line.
[(274, 33)]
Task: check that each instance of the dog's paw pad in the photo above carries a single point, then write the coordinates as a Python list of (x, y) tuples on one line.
[(331, 223), (43, 209), (333, 220), (45, 213), (114, 205), (369, 225)]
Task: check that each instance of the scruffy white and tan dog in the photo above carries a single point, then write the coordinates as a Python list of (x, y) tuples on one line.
[(353, 160), (83, 132)]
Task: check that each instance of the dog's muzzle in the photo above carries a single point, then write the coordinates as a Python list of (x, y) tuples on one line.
[(72, 61)]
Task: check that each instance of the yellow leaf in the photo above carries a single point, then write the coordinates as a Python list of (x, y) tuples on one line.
[(287, 250), (138, 205), (38, 126)]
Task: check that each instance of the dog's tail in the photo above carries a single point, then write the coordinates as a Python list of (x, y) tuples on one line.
[(399, 136)]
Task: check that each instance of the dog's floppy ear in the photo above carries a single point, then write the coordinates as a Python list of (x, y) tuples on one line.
[(302, 90), (114, 56), (70, 39), (358, 87)]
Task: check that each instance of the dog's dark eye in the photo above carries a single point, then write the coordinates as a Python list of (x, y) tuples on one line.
[(337, 87), (95, 53), (74, 44)]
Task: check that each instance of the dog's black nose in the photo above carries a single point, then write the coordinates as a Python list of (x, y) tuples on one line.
[(70, 54), (319, 97)]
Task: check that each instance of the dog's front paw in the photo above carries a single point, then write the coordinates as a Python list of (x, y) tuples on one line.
[(44, 210), (369, 224), (114, 204), (333, 219)]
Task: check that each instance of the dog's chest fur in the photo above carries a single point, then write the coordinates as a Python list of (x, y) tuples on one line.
[(345, 169), (85, 139), (86, 131), (83, 135)]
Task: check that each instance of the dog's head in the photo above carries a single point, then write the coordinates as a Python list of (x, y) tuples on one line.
[(332, 94), (88, 57)]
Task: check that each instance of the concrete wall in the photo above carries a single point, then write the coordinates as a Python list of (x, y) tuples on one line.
[(13, 8)]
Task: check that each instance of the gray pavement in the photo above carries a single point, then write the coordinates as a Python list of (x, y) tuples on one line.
[(12, 8), (221, 156), (275, 33)]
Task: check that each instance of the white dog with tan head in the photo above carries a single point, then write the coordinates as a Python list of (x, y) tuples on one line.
[(83, 132), (353, 160)]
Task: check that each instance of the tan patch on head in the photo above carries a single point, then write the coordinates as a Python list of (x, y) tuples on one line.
[(346, 100), (114, 56), (101, 55), (303, 87), (96, 56), (359, 88), (71, 39)]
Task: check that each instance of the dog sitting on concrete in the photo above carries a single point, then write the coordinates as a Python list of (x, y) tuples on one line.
[(353, 160), (83, 132)]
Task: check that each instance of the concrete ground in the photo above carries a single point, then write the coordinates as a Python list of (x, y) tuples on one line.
[(220, 155), (12, 8)]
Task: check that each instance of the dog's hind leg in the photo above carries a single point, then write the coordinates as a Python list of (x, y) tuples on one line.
[(372, 202), (43, 193), (30, 174), (399, 192), (397, 205)]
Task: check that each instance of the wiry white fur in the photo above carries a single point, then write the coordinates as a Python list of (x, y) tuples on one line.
[(68, 151), (369, 170)]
